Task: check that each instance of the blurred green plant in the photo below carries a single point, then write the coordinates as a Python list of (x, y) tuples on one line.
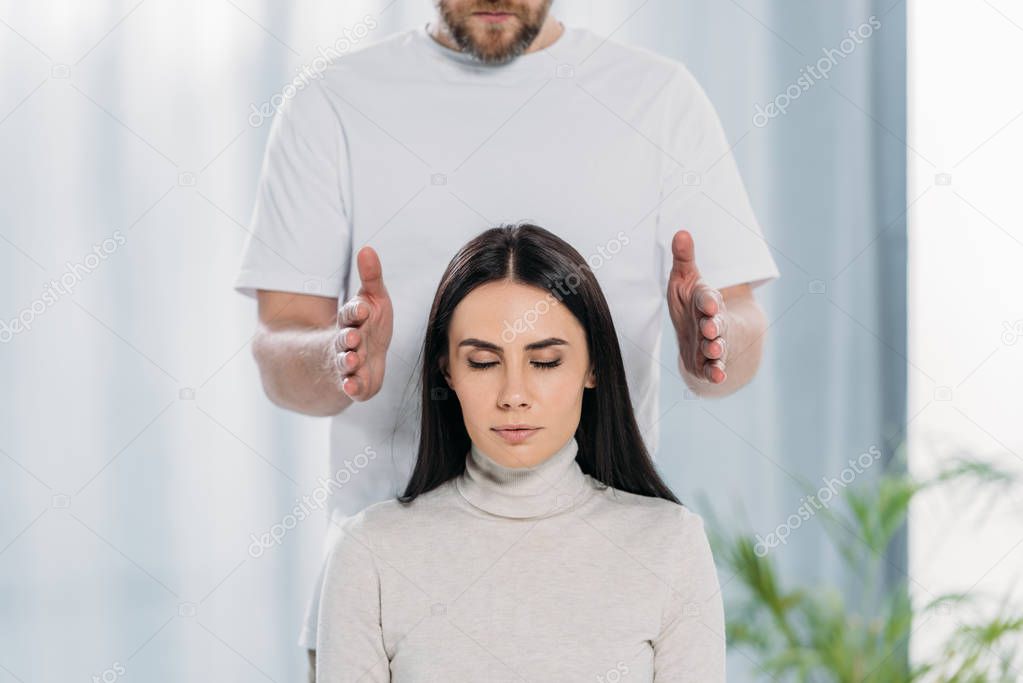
[(811, 634)]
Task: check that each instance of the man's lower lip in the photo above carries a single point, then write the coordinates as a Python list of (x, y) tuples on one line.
[(492, 17)]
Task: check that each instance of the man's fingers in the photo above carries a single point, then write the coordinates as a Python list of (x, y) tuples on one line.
[(346, 340), (714, 327), (349, 364), (353, 313), (714, 371), (708, 300), (351, 387), (348, 361), (713, 348)]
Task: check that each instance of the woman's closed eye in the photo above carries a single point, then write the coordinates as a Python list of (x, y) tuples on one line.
[(542, 365)]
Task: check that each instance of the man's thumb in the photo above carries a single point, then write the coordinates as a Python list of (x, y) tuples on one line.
[(683, 252), (371, 273)]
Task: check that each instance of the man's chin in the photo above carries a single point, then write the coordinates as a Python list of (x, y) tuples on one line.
[(495, 56), (495, 46), (493, 38)]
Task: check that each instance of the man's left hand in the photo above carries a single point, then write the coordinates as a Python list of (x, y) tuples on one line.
[(697, 313)]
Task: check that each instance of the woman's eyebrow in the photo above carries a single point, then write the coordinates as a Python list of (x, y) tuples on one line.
[(490, 346)]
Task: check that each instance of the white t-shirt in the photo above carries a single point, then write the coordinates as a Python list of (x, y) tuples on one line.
[(413, 148)]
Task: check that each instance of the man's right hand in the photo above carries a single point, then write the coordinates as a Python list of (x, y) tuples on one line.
[(365, 324)]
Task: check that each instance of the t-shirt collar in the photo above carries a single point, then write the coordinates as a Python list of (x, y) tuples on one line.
[(542, 63), (554, 485)]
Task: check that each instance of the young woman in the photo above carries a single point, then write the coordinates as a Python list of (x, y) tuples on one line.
[(535, 540)]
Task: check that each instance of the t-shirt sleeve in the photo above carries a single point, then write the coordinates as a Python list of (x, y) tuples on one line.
[(691, 643), (349, 637), (299, 231), (703, 192)]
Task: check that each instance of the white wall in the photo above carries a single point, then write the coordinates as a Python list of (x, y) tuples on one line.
[(966, 296)]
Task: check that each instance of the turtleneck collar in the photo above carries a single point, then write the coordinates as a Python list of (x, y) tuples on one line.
[(554, 485)]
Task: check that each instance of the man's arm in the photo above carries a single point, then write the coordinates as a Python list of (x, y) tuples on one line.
[(743, 326), (294, 348), (315, 359)]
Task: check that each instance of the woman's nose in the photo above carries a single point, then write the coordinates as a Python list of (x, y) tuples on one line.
[(514, 392)]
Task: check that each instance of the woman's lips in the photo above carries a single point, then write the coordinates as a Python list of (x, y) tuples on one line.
[(516, 435)]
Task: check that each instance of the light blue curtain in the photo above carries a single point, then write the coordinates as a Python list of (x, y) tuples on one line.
[(138, 456), (827, 180)]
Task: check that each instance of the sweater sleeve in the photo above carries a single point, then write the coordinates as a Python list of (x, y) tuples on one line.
[(349, 636), (691, 643)]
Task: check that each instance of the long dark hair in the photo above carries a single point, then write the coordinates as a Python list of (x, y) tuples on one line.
[(611, 449)]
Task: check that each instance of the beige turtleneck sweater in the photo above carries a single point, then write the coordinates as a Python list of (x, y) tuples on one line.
[(535, 574)]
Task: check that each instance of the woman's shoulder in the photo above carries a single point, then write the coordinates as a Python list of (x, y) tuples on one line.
[(649, 515), (394, 516)]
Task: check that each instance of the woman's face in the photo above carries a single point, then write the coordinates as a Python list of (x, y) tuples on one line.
[(517, 356)]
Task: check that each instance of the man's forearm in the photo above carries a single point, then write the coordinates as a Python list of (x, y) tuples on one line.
[(298, 370), (745, 328)]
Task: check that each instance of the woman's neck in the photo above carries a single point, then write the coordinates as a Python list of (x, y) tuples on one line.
[(547, 488)]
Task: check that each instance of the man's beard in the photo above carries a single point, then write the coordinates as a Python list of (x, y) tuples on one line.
[(489, 49)]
